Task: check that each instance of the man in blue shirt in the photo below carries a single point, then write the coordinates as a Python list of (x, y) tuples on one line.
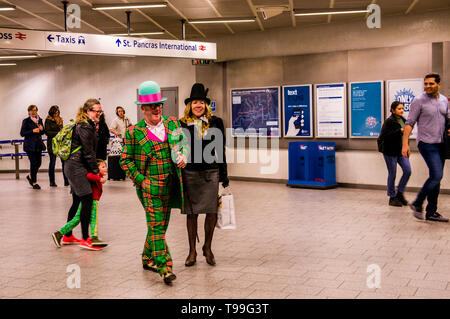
[(429, 110)]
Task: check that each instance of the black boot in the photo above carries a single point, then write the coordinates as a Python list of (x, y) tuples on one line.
[(402, 199), (210, 224), (191, 224), (394, 201)]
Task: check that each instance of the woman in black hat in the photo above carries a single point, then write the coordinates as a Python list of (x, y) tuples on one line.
[(205, 169)]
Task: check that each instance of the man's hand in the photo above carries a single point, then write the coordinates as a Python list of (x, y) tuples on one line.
[(181, 160), (41, 128), (406, 151), (36, 130)]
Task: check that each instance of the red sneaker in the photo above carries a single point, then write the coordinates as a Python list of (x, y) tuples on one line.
[(72, 240), (87, 244)]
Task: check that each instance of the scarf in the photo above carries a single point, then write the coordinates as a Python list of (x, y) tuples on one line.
[(35, 119), (201, 124)]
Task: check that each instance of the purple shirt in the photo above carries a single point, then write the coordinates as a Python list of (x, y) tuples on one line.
[(429, 113)]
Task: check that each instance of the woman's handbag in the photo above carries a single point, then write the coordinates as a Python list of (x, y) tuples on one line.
[(226, 218), (116, 146)]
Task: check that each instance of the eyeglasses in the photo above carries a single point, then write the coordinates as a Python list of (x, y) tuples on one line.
[(154, 106), (98, 112)]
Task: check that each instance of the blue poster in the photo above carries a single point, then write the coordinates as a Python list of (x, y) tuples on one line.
[(255, 112), (297, 102), (366, 109)]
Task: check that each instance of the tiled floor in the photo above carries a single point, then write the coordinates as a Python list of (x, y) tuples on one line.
[(290, 243)]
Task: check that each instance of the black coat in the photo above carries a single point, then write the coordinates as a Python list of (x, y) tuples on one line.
[(390, 141), (103, 140), (447, 139), (84, 135), (32, 141), (214, 122), (51, 129)]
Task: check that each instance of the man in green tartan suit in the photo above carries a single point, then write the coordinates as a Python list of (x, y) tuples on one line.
[(155, 150)]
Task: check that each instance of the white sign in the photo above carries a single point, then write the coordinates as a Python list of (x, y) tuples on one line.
[(403, 91), (104, 44), (331, 106)]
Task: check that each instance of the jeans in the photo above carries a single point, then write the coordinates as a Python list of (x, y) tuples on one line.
[(51, 169), (391, 164), (35, 162), (434, 157)]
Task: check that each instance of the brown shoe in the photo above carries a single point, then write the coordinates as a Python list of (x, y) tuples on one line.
[(191, 260), (209, 257)]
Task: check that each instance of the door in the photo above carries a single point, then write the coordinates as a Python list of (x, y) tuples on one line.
[(170, 107)]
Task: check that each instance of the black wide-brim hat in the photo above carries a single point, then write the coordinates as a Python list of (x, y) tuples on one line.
[(198, 92)]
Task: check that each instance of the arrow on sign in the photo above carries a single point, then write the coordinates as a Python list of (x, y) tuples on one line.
[(50, 38), (118, 42)]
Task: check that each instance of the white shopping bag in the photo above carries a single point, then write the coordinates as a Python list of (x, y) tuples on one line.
[(226, 218)]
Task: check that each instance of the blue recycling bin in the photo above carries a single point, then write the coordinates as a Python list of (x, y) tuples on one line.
[(312, 165)]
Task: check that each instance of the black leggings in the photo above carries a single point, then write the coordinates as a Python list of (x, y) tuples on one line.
[(85, 215)]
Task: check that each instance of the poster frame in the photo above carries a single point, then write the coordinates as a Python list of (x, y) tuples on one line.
[(316, 131), (382, 106), (252, 88), (311, 117)]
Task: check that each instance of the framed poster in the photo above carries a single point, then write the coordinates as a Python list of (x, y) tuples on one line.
[(331, 110), (255, 111), (297, 111), (403, 91), (366, 109)]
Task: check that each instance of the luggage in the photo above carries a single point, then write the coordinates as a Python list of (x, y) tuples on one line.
[(115, 172)]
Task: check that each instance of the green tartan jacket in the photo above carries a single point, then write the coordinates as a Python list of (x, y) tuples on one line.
[(137, 151)]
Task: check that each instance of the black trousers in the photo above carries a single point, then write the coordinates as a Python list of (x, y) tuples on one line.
[(35, 162), (51, 169), (85, 214)]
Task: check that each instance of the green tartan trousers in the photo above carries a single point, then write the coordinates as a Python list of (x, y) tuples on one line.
[(157, 213)]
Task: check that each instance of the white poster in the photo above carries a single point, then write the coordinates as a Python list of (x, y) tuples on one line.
[(331, 106), (403, 91)]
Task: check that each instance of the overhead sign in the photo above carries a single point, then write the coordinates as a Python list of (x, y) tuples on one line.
[(103, 44)]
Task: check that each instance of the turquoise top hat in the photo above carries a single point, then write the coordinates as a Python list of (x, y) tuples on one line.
[(149, 92)]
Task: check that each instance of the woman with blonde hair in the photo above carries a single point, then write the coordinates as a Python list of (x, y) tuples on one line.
[(76, 168), (204, 171)]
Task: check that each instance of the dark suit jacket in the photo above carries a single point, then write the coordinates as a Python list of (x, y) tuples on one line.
[(32, 141)]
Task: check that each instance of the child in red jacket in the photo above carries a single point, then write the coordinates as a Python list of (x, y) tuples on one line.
[(93, 242)]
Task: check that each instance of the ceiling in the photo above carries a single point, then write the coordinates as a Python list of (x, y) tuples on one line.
[(49, 15)]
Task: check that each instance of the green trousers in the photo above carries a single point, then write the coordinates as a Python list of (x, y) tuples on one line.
[(76, 220)]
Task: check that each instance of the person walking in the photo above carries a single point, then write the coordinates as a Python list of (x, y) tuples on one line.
[(53, 124), (430, 111), (32, 130), (390, 144), (202, 175), (79, 164), (154, 152)]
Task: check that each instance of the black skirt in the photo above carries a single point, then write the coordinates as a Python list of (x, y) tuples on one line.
[(201, 189)]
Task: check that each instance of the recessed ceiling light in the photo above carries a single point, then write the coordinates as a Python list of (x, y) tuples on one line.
[(18, 56), (137, 33), (223, 20), (7, 8), (127, 6), (300, 13)]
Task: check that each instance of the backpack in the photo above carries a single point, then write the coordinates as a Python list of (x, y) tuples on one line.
[(62, 142)]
